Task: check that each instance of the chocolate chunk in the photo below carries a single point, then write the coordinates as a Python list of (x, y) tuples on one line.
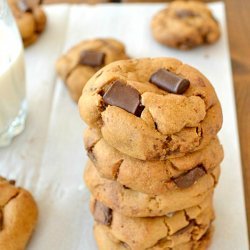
[(124, 96), (24, 6), (1, 219), (169, 81), (125, 245), (91, 154), (12, 182), (102, 214), (186, 228), (185, 13), (92, 58), (189, 178)]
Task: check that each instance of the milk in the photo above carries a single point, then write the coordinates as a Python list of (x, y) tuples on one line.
[(12, 84)]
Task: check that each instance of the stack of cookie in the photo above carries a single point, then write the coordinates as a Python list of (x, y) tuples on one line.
[(154, 154)]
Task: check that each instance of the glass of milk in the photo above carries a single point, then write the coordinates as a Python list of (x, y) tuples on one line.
[(12, 78)]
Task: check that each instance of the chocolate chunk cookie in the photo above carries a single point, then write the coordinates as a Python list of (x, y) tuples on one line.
[(152, 109), (151, 177), (30, 18), (185, 24), (82, 61), (166, 231), (106, 241), (18, 216), (136, 204)]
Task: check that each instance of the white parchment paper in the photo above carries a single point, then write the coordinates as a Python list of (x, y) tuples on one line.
[(48, 158)]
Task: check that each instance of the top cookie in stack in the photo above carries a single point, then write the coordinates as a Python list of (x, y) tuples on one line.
[(152, 109)]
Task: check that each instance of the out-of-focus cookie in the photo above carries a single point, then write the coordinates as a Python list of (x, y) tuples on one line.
[(18, 216), (30, 18), (136, 204), (185, 24), (166, 231), (83, 60), (152, 109), (151, 177)]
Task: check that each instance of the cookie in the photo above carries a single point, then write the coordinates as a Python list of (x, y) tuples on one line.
[(136, 204), (83, 60), (106, 241), (152, 108), (30, 19), (184, 25), (151, 177), (18, 216), (168, 231)]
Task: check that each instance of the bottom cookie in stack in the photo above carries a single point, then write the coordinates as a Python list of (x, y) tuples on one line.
[(105, 242), (182, 230)]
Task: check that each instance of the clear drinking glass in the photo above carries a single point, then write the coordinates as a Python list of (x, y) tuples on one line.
[(13, 107)]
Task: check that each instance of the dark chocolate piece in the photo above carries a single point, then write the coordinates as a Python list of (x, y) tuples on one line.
[(125, 245), (92, 58), (169, 81), (189, 178), (90, 154), (24, 6), (185, 13), (102, 214), (124, 96), (12, 182), (186, 228)]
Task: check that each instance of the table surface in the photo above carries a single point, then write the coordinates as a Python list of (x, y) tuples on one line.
[(239, 37)]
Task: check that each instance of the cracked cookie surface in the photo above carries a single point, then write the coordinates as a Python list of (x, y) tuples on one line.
[(151, 177), (149, 233), (76, 72), (136, 204), (106, 241), (18, 216), (185, 25), (30, 18), (164, 125)]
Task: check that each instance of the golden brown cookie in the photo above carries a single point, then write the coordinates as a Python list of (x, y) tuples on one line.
[(83, 60), (185, 24), (30, 18), (18, 216), (107, 241), (136, 204), (151, 177), (165, 231), (152, 109)]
